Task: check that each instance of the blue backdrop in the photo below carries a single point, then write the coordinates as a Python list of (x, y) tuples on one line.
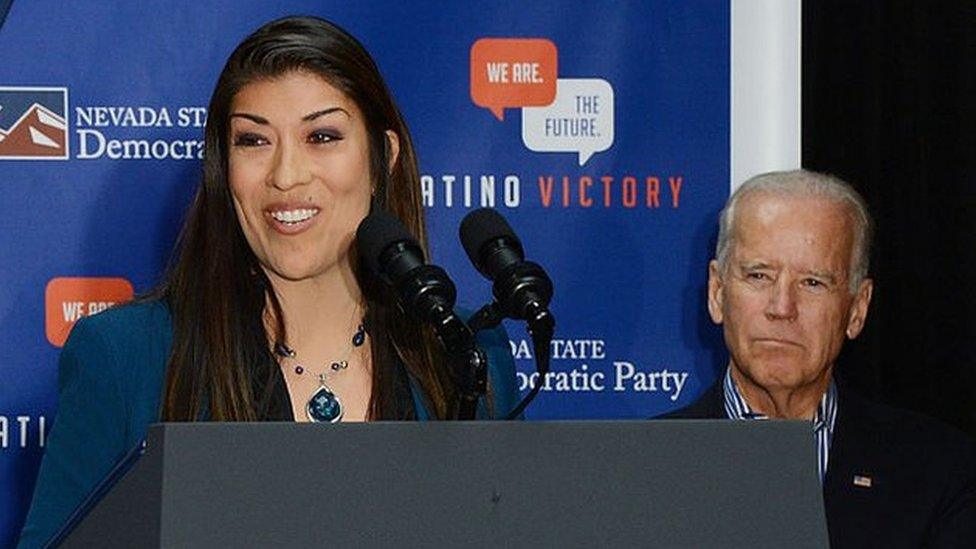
[(95, 178)]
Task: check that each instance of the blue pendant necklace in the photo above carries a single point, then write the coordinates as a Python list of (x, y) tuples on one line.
[(324, 405)]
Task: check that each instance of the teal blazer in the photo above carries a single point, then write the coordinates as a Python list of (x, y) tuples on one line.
[(110, 382)]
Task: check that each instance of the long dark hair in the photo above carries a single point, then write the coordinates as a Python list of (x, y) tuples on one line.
[(220, 364)]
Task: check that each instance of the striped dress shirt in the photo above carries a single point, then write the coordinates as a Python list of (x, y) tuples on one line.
[(823, 421)]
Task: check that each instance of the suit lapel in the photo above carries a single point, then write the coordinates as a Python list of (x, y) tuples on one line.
[(856, 474)]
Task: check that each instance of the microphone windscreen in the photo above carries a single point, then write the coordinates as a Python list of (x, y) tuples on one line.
[(482, 226), (375, 233)]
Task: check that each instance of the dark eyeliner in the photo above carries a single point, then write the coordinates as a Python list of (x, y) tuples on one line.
[(324, 136), (246, 140)]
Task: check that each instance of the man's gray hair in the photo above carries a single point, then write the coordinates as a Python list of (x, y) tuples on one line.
[(803, 183)]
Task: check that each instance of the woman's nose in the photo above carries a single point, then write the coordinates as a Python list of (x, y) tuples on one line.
[(291, 166)]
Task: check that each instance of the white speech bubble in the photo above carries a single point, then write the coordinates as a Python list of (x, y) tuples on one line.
[(579, 120)]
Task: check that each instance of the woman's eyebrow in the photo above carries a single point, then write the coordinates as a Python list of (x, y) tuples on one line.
[(323, 112), (252, 117)]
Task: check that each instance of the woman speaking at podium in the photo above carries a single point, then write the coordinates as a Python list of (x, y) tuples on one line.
[(264, 312)]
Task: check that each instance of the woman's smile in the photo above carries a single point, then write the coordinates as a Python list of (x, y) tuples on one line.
[(291, 220)]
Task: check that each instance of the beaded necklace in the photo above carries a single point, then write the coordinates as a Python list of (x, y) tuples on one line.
[(324, 405)]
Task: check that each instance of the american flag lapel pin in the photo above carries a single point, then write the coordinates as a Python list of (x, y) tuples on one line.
[(863, 481)]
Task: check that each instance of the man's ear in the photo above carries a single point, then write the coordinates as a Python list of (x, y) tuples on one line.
[(392, 148), (859, 308), (715, 292)]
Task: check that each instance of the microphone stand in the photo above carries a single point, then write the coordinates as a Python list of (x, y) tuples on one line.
[(429, 294), (541, 326), (466, 359)]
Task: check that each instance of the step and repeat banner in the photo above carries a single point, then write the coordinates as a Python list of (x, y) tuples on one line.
[(600, 131)]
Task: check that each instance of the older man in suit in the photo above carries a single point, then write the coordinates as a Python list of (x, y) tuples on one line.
[(788, 284)]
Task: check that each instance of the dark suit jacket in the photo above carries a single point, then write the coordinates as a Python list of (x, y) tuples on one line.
[(923, 475)]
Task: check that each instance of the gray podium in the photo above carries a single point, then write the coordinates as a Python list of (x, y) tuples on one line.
[(467, 484)]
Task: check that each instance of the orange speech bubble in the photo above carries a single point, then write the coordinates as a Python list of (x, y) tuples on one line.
[(68, 299), (513, 72)]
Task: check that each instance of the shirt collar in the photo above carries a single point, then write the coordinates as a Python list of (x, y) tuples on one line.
[(736, 406)]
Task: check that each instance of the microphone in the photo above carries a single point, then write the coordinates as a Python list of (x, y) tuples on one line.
[(426, 292), (522, 289), (395, 256)]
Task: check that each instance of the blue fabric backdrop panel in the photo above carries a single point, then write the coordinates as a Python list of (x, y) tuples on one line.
[(614, 186)]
